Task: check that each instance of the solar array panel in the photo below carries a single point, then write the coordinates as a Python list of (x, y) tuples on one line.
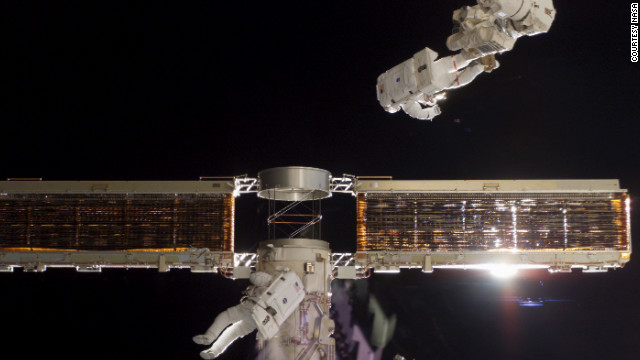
[(492, 221), (116, 221)]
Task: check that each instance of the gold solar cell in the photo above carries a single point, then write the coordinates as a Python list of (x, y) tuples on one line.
[(492, 221), (117, 221)]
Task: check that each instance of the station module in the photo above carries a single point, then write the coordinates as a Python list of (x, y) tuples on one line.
[(474, 224)]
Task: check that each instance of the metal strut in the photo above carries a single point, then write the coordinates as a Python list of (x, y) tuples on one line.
[(285, 216)]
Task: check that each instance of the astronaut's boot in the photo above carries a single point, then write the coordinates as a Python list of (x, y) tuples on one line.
[(223, 320), (203, 339), (209, 354)]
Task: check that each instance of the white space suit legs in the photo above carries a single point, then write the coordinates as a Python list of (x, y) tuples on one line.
[(241, 324), (419, 111), (233, 332), (235, 322), (465, 76)]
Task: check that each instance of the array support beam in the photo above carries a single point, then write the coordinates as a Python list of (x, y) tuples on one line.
[(198, 260)]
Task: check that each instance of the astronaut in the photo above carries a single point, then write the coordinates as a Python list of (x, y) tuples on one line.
[(453, 72), (236, 321), (480, 32), (416, 85)]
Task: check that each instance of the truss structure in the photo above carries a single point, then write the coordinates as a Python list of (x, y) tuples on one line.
[(552, 224)]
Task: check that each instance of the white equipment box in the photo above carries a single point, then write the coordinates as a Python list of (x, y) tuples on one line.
[(280, 300)]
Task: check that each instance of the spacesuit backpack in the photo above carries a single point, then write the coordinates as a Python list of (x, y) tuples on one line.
[(281, 299)]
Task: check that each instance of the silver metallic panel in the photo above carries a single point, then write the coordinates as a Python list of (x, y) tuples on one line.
[(294, 183)]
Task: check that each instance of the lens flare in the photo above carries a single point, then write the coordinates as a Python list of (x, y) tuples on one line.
[(503, 271)]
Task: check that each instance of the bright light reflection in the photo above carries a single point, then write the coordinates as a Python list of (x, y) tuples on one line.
[(503, 271), (387, 271)]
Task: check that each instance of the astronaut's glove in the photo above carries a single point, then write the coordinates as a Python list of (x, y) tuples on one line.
[(490, 63)]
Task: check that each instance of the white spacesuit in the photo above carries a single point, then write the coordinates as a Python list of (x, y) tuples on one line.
[(447, 73), (236, 321), (480, 31)]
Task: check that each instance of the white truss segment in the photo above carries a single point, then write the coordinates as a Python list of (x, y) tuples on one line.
[(342, 259), (486, 186), (554, 261), (198, 260), (344, 184), (245, 259), (344, 266), (245, 185)]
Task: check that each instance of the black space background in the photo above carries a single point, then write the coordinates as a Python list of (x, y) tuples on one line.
[(98, 90)]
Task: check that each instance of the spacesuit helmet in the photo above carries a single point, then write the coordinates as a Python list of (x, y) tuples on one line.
[(260, 278)]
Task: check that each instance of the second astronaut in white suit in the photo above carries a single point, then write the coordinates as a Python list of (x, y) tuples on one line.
[(236, 321)]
